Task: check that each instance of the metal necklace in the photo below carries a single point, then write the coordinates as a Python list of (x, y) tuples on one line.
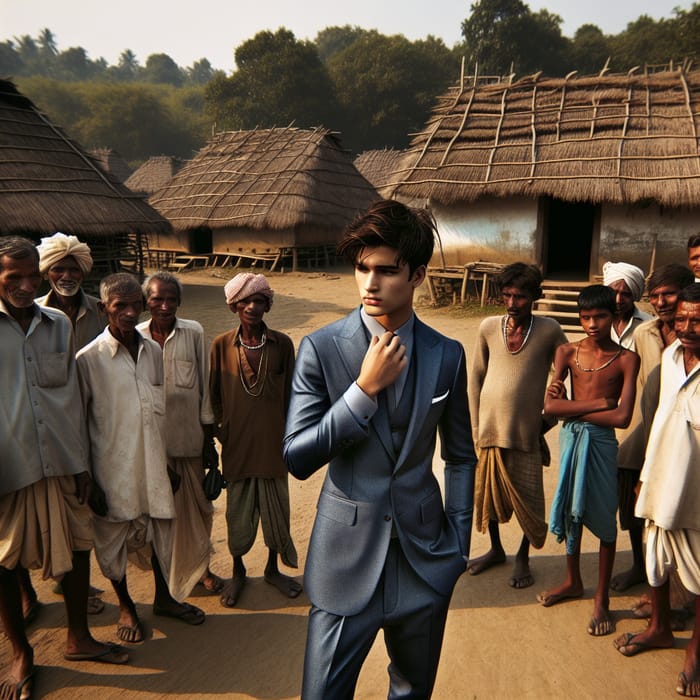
[(257, 388), (505, 335), (596, 369), (254, 347)]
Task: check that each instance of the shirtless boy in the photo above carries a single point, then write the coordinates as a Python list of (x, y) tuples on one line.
[(603, 377)]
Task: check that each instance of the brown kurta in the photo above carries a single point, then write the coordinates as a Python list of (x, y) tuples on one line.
[(251, 428)]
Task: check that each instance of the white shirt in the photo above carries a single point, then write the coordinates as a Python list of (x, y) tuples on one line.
[(125, 407), (671, 473), (626, 338), (187, 404)]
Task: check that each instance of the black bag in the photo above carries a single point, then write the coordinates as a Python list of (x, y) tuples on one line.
[(213, 483)]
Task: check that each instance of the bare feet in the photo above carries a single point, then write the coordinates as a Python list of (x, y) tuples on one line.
[(232, 590), (632, 643), (286, 585), (212, 582), (556, 595), (95, 605), (129, 627), (190, 614), (522, 577), (627, 579), (486, 561)]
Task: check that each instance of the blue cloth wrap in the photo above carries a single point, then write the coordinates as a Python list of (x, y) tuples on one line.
[(587, 490)]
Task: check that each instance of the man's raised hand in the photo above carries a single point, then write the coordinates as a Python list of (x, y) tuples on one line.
[(384, 360)]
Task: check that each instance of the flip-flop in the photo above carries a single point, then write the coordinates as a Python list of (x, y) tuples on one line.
[(187, 613), (685, 685), (132, 634), (111, 654), (21, 691)]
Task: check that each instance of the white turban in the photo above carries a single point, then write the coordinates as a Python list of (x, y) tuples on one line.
[(631, 274), (244, 285), (59, 246)]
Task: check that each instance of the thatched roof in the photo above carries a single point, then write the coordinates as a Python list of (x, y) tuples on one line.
[(379, 167), (278, 178), (48, 183), (608, 138), (111, 162), (153, 174)]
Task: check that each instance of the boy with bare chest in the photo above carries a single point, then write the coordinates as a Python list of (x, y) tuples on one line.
[(603, 382)]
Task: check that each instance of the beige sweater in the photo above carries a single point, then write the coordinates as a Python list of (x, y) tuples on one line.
[(506, 391)]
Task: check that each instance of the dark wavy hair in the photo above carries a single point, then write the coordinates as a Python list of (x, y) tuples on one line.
[(527, 278), (673, 273), (411, 232), (690, 294)]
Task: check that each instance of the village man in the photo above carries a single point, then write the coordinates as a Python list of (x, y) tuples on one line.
[(189, 425), (44, 475), (507, 382), (627, 281), (251, 376), (122, 385), (668, 498)]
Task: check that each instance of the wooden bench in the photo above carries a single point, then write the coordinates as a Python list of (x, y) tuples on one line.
[(477, 272)]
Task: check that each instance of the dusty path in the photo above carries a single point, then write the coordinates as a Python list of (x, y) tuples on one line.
[(499, 642)]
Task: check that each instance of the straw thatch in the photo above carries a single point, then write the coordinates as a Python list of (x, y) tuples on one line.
[(608, 138), (274, 179), (154, 174), (379, 167), (111, 162), (48, 183)]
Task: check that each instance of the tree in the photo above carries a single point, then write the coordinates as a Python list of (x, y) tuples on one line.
[(386, 86), (29, 54), (200, 72), (127, 69), (279, 81), (160, 68), (645, 41), (333, 40), (590, 49), (73, 64), (11, 63), (503, 33), (47, 44)]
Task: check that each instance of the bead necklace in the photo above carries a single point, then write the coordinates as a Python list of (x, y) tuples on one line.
[(253, 347), (505, 335), (261, 375), (596, 369)]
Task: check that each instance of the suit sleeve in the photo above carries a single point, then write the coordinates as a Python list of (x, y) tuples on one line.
[(457, 449), (318, 428)]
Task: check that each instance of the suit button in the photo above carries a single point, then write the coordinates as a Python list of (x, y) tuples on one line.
[(387, 518)]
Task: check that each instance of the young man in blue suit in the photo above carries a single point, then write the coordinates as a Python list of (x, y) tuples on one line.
[(369, 394)]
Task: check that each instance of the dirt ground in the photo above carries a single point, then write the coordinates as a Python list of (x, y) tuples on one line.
[(499, 642)]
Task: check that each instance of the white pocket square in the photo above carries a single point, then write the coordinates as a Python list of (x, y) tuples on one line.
[(435, 399)]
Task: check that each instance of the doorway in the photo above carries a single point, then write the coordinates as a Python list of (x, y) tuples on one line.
[(570, 233)]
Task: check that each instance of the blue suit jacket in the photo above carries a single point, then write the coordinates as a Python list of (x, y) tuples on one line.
[(368, 486)]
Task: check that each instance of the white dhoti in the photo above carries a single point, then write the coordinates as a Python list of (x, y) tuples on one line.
[(669, 550)]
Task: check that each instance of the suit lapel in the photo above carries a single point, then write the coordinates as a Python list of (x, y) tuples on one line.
[(427, 354), (352, 346)]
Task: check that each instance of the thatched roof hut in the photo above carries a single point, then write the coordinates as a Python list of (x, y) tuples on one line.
[(111, 162), (605, 141), (611, 138), (155, 173), (379, 167), (48, 183), (263, 190)]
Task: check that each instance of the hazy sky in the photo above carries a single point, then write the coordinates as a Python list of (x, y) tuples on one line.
[(188, 31)]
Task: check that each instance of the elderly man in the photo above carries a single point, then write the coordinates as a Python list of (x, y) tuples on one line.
[(650, 340), (667, 501), (44, 477), (627, 281), (121, 381), (189, 425), (251, 379), (65, 262)]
